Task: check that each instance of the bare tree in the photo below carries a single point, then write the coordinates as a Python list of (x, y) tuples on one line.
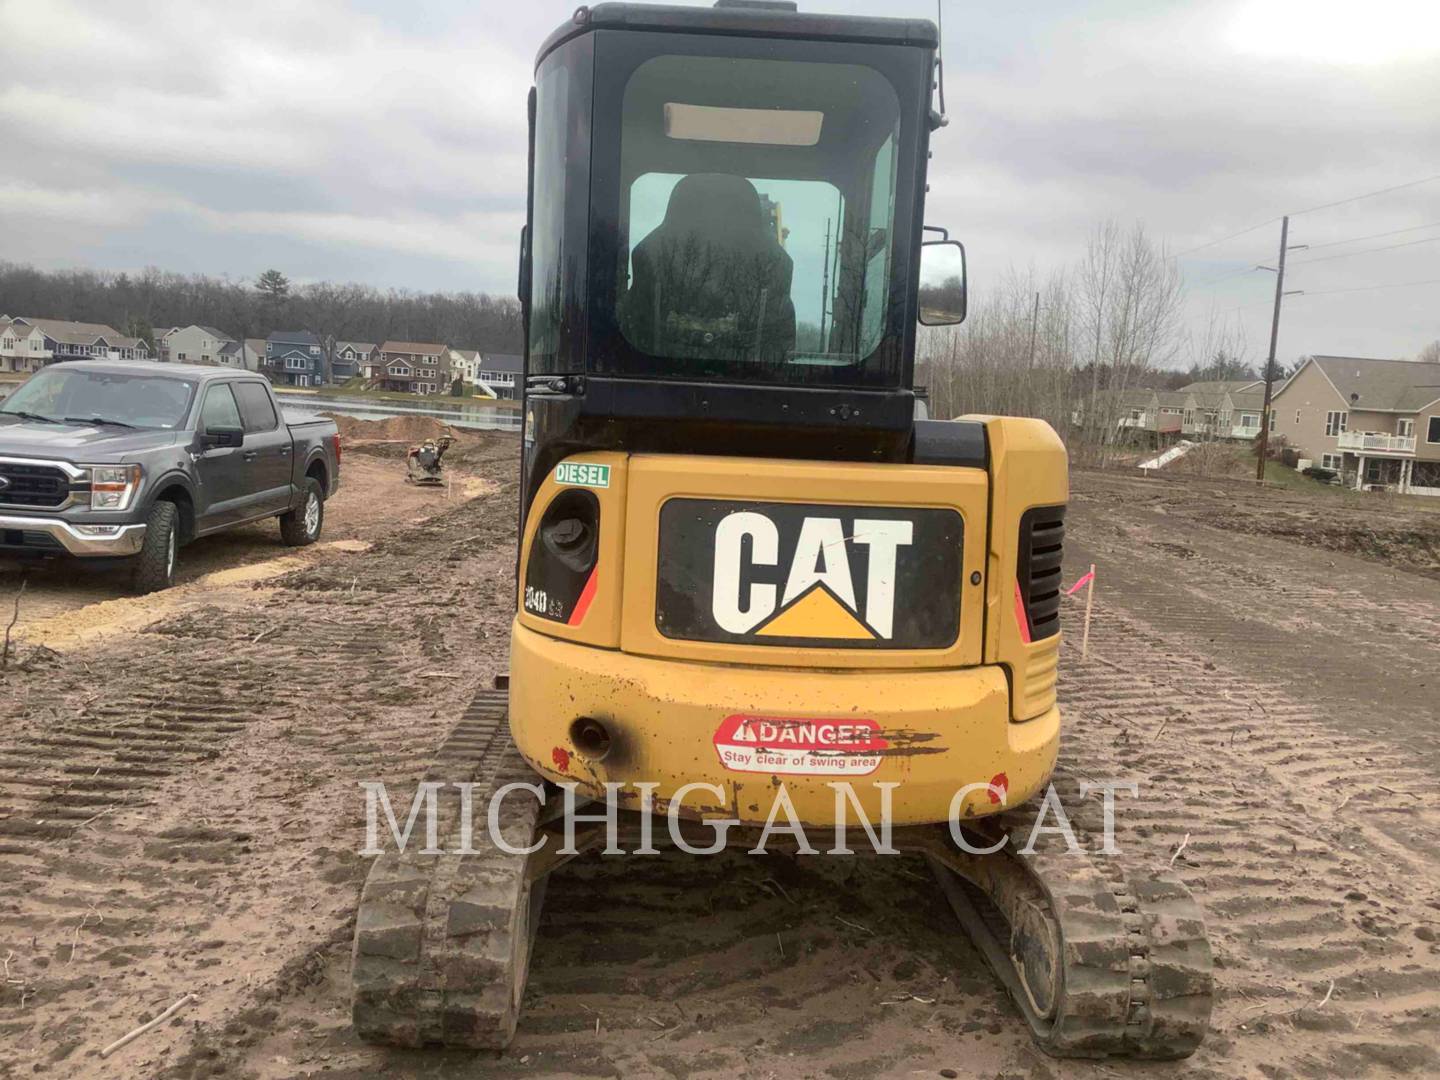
[(988, 366), (1066, 348), (1129, 297)]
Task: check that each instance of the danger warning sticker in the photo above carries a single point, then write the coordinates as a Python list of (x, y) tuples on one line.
[(799, 747)]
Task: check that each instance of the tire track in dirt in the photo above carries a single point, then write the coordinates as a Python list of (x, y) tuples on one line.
[(1312, 622), (731, 966), (195, 828), (1312, 852), (790, 967)]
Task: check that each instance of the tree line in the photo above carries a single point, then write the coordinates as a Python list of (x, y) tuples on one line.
[(1068, 347), (135, 303)]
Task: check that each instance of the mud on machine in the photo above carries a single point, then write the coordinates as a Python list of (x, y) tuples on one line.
[(743, 560)]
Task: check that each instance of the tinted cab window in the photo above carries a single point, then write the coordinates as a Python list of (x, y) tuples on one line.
[(255, 407)]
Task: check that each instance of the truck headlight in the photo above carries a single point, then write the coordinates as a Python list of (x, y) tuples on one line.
[(113, 487)]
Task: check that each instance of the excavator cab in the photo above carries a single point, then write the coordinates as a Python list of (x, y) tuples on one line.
[(747, 565), (725, 233)]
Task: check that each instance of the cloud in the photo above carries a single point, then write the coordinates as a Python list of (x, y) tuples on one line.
[(363, 138)]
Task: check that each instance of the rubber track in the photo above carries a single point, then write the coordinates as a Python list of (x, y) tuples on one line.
[(1137, 973), (442, 941)]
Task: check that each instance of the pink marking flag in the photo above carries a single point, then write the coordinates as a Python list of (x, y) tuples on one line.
[(1080, 584)]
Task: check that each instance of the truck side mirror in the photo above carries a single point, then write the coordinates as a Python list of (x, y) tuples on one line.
[(942, 283), (217, 438)]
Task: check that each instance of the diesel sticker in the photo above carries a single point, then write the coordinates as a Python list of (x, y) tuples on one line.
[(808, 574), (582, 474)]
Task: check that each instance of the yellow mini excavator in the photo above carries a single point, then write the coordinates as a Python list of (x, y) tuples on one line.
[(745, 565)]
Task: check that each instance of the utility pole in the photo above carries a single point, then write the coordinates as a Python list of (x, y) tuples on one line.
[(825, 287), (1280, 294)]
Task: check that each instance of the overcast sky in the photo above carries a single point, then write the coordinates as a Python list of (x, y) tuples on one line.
[(384, 141)]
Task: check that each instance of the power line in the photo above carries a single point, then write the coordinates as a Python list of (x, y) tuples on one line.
[(1367, 195), (1369, 251), (1227, 277), (1369, 288), (1374, 236), (1330, 292), (1311, 210), (1232, 236)]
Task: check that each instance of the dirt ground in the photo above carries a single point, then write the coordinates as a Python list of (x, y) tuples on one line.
[(179, 813)]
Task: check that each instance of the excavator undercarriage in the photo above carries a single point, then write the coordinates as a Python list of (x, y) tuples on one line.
[(1100, 959)]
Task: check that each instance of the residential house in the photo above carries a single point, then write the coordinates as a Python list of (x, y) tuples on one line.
[(28, 344), (1222, 409), (239, 355), (1243, 410), (414, 367), (372, 370), (161, 334), (1155, 413), (1375, 422), (1135, 410), (465, 363), (11, 352), (294, 358), (1169, 412), (502, 373), (254, 352), (198, 345), (352, 358)]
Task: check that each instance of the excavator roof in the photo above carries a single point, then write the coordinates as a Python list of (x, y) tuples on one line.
[(745, 18)]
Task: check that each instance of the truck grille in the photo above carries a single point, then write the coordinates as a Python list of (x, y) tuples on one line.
[(33, 485), (1042, 543)]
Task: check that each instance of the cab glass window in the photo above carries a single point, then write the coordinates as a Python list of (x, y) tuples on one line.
[(255, 407), (219, 413), (551, 93), (560, 193), (757, 216)]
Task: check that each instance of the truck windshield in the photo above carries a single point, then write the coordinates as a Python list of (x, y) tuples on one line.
[(66, 394), (757, 217)]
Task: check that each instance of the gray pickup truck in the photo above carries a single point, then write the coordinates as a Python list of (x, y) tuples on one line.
[(133, 459)]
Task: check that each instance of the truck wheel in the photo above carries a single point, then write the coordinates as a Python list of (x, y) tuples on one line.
[(155, 565), (302, 526)]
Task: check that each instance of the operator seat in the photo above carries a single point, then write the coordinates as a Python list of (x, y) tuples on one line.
[(712, 281)]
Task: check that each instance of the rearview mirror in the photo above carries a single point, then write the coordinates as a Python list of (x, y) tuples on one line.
[(222, 437), (942, 283)]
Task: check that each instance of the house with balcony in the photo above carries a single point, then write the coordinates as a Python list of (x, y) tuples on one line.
[(1374, 422), (295, 358), (414, 367), (1242, 411), (502, 374), (1221, 408), (1135, 410), (28, 344), (1142, 414), (352, 358)]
